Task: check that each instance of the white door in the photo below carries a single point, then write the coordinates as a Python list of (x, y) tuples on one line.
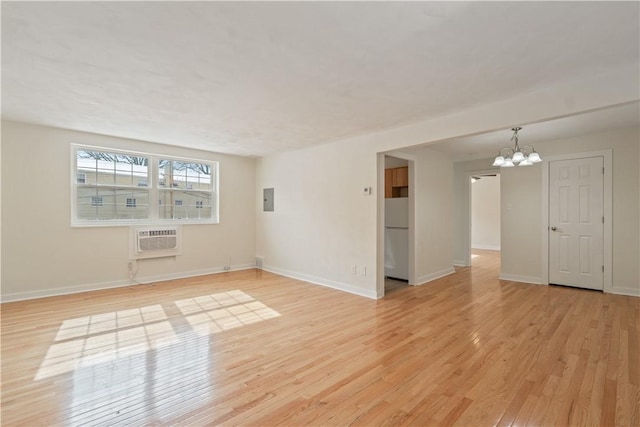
[(576, 217)]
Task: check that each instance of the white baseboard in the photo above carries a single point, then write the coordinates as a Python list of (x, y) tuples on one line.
[(624, 291), (486, 247), (523, 279), (459, 263), (20, 296), (322, 282), (433, 276), (193, 273), (537, 281)]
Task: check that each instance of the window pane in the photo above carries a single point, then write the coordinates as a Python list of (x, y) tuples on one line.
[(100, 203), (184, 175), (104, 168), (184, 204)]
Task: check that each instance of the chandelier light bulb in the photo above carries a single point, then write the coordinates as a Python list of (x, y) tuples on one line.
[(534, 157), (518, 157), (522, 156)]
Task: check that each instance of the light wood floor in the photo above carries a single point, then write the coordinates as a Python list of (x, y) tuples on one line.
[(253, 348)]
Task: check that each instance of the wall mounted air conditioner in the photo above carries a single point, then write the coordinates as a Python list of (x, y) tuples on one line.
[(155, 242)]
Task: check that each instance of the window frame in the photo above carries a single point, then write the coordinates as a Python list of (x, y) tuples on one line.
[(153, 188)]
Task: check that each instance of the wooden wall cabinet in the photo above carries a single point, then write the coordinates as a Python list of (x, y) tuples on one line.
[(396, 182), (388, 183), (401, 177)]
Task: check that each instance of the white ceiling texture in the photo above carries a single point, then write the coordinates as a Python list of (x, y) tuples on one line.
[(254, 78)]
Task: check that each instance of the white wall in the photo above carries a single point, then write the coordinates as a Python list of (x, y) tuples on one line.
[(323, 224), (521, 199), (521, 212), (485, 213), (43, 255), (433, 214), (0, 218), (394, 162)]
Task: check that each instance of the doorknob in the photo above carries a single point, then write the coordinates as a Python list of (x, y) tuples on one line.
[(554, 228)]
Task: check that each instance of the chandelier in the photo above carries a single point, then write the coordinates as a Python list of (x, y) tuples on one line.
[(521, 156)]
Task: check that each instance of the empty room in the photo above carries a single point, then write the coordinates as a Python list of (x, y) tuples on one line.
[(320, 213)]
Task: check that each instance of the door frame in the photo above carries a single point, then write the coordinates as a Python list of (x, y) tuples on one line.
[(607, 156), (412, 164)]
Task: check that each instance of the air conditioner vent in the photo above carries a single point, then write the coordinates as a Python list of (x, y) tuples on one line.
[(155, 242)]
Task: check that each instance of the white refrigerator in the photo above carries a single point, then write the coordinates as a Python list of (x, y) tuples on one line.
[(396, 238)]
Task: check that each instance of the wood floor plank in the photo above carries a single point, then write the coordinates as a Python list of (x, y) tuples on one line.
[(255, 348)]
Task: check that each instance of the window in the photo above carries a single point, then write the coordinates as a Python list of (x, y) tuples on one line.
[(115, 187), (107, 186), (185, 189)]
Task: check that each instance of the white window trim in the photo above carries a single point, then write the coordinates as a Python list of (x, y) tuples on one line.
[(154, 190)]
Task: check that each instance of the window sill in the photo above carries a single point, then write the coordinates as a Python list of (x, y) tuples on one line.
[(142, 223)]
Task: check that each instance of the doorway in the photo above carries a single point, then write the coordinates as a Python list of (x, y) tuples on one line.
[(485, 220), (396, 225)]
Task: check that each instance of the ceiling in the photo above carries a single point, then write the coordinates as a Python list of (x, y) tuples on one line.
[(488, 144), (254, 78)]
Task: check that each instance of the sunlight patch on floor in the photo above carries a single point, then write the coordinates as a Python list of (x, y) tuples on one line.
[(102, 338), (104, 347), (105, 322), (223, 311)]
